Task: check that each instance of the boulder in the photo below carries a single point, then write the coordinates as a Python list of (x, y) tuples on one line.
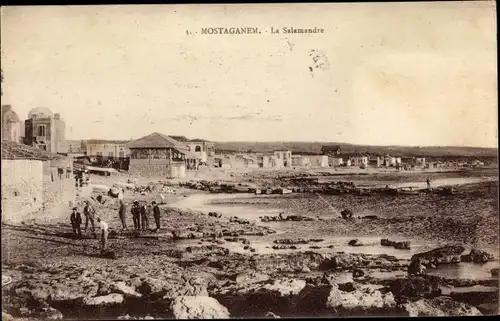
[(440, 306), (479, 256), (198, 307), (416, 268), (110, 299), (286, 286), (357, 273), (284, 247), (249, 277), (355, 242), (346, 213), (443, 255), (171, 288), (290, 241), (364, 297), (414, 287), (7, 317), (271, 315), (121, 287), (215, 214)]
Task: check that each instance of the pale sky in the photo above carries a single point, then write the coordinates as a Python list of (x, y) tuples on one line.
[(392, 73)]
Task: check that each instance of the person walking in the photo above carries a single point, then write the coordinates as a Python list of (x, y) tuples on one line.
[(428, 184), (104, 234), (135, 210), (122, 212), (156, 214), (144, 216), (89, 213), (76, 221)]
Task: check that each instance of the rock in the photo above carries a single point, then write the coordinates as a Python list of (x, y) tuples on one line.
[(402, 245), (110, 299), (198, 307), (414, 287), (346, 213), (215, 214), (7, 317), (121, 287), (479, 256), (272, 315), (249, 277), (357, 273), (476, 298), (284, 247), (355, 242), (442, 255), (440, 306), (416, 268), (286, 286), (305, 269), (364, 297), (195, 286), (290, 241), (51, 314)]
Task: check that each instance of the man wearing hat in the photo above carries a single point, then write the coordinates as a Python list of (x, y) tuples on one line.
[(76, 221), (122, 213), (136, 214), (89, 213), (156, 214)]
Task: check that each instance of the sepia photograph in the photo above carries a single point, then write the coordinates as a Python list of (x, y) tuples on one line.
[(231, 161)]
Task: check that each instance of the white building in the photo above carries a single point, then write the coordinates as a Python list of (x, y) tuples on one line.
[(300, 161), (318, 160), (107, 148)]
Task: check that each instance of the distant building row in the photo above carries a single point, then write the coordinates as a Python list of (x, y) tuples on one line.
[(283, 159)]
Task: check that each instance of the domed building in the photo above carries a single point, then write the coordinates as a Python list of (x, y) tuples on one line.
[(40, 112), (11, 125), (45, 130)]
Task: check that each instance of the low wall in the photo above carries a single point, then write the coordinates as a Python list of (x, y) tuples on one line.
[(157, 170), (22, 186)]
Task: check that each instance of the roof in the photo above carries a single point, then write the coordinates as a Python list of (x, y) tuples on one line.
[(104, 141), (12, 150), (157, 140), (182, 139), (198, 140), (355, 155)]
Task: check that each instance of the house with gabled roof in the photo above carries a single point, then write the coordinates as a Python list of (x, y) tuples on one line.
[(157, 155)]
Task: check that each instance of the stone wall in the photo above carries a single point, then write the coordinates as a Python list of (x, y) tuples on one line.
[(157, 170), (58, 197), (22, 186)]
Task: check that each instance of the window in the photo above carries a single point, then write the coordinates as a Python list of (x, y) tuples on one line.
[(122, 154), (99, 154), (197, 149), (40, 130), (110, 154)]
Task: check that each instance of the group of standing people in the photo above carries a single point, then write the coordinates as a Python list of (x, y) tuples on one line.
[(89, 213), (140, 215)]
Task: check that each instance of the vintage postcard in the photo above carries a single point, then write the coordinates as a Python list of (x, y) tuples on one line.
[(249, 160)]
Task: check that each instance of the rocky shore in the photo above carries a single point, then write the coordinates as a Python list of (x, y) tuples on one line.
[(212, 265)]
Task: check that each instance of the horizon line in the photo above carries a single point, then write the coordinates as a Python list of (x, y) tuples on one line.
[(308, 142)]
